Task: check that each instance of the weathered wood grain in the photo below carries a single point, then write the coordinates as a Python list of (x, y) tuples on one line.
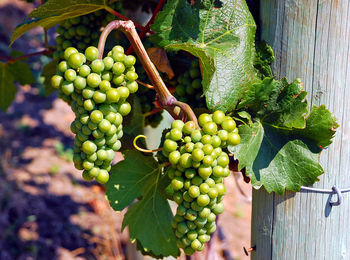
[(311, 40)]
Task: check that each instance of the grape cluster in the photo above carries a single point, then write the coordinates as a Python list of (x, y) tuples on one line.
[(198, 166), (189, 88), (97, 91), (82, 31)]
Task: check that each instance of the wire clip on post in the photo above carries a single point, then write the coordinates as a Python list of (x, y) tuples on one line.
[(334, 190)]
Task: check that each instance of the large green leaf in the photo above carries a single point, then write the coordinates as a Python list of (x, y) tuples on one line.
[(21, 72), (320, 126), (221, 34), (129, 179), (279, 103), (284, 163), (149, 219), (8, 89), (277, 160), (55, 11)]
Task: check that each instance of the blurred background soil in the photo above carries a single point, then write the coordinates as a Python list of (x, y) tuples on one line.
[(47, 211)]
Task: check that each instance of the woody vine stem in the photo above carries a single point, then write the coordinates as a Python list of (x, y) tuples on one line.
[(177, 109)]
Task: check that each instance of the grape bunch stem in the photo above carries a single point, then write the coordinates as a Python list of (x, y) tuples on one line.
[(168, 101)]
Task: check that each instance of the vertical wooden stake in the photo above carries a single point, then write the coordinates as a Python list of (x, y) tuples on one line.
[(311, 40)]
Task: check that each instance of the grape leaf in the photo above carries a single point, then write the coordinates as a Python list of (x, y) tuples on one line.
[(320, 126), (21, 72), (8, 89), (221, 34), (263, 60), (48, 71), (149, 219), (247, 150), (129, 179), (55, 11), (279, 103), (282, 162)]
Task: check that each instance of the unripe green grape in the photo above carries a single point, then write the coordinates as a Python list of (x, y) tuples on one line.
[(88, 165), (174, 157), (132, 86), (88, 93), (56, 81), (189, 147), (188, 127), (63, 66), (70, 75), (85, 130), (75, 60), (218, 117), (189, 173), (190, 215), (104, 85), (84, 70), (106, 75), (96, 116), (89, 147), (216, 141), (185, 160), (80, 83), (175, 134), (67, 88), (69, 51), (170, 146), (118, 80), (92, 157), (223, 160), (91, 53), (182, 228), (187, 139), (118, 56), (129, 60), (125, 109), (116, 146), (100, 141), (93, 80), (193, 191), (131, 76), (208, 149), (220, 187), (108, 63), (97, 66), (196, 136), (177, 124), (99, 97), (203, 200), (87, 176), (206, 139), (187, 198), (102, 176), (203, 119), (228, 124), (104, 126), (233, 139)]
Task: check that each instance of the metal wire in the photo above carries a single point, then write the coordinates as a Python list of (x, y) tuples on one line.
[(324, 190), (334, 190)]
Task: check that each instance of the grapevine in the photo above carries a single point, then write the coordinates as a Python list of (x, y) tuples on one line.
[(244, 115)]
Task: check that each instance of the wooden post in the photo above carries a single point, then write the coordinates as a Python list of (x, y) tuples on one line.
[(311, 40)]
